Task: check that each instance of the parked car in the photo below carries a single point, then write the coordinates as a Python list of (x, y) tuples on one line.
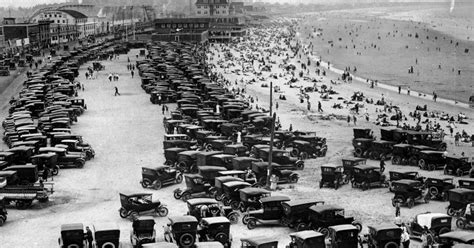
[(344, 236), (260, 169), (47, 161), (3, 210), (143, 231), (281, 157), (397, 175), (457, 165), (415, 153), (304, 149), (332, 176), (106, 235), (307, 239), (366, 133), (401, 154), (467, 218), (384, 235), (258, 242), (408, 192), (231, 194), (243, 163), (207, 207), (236, 149), (449, 239), (431, 160), (160, 175), (136, 204), (218, 189), (184, 230), (271, 212), (349, 163), (72, 235), (366, 176), (250, 198), (466, 183), (75, 146), (65, 159), (215, 229), (458, 199), (195, 186), (438, 187), (321, 217), (381, 150), (171, 155), (362, 147), (436, 223), (295, 213), (187, 161)]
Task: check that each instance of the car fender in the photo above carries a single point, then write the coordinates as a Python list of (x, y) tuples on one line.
[(107, 245)]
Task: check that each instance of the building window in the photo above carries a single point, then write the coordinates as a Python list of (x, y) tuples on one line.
[(64, 21), (185, 25), (163, 25), (217, 12), (205, 12), (173, 26), (180, 25), (202, 25), (199, 12)]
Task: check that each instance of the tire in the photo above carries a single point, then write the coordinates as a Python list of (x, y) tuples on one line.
[(433, 191), (233, 218), (177, 194), (185, 196), (295, 152), (410, 202), (412, 161), (324, 231), (374, 155), (451, 211), (234, 205), (397, 199), (182, 166), (186, 240), (422, 164), (444, 230), (383, 157), (108, 245), (459, 173), (396, 160), (222, 238), (162, 211), (461, 223), (123, 213), (301, 227), (157, 184), (245, 219), (134, 215), (304, 155), (358, 152), (442, 147), (391, 244), (357, 225), (364, 186), (251, 224), (226, 201), (79, 164), (179, 179), (145, 183), (293, 179), (194, 169), (2, 220), (55, 170), (300, 165), (21, 205)]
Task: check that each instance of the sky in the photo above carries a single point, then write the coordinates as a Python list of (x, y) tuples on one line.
[(26, 3)]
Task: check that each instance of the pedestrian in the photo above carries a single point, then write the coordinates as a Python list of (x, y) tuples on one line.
[(133, 73), (382, 165), (435, 96), (82, 87), (116, 91), (348, 120), (163, 109), (355, 120), (457, 136), (110, 77), (276, 105), (309, 106), (405, 238), (320, 108), (424, 238), (408, 91), (88, 237), (167, 233), (87, 75), (399, 89), (291, 127), (397, 208)]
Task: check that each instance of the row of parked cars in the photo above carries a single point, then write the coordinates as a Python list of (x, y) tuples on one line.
[(38, 131)]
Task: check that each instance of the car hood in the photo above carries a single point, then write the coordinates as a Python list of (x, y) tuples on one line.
[(259, 211)]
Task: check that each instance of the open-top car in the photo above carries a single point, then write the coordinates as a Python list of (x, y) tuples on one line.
[(436, 223), (457, 165), (156, 177), (458, 199), (408, 192), (72, 235), (349, 163), (250, 198), (344, 236), (271, 212), (184, 230), (307, 239), (195, 186), (208, 207), (367, 176), (384, 235), (332, 176), (258, 242), (295, 213), (321, 217), (215, 229), (438, 187), (143, 231), (135, 204)]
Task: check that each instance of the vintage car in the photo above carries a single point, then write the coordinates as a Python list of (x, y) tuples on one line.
[(438, 187), (186, 161), (400, 154), (366, 133), (220, 160), (250, 198), (282, 157), (431, 160), (46, 161), (243, 163), (397, 175), (415, 153), (208, 207), (384, 235), (366, 176), (106, 235), (466, 183), (260, 169), (171, 155), (304, 149), (258, 242), (408, 192), (349, 163), (209, 173), (156, 177), (27, 174), (160, 245), (143, 231), (271, 212), (449, 239), (231, 194), (135, 204), (75, 146), (344, 236), (458, 199), (321, 217), (217, 144), (178, 140), (307, 239), (3, 209), (65, 159), (215, 229), (247, 175), (436, 223), (295, 213), (467, 218), (22, 154), (362, 147), (426, 139), (218, 189), (184, 230), (332, 176), (236, 149), (195, 186), (72, 235), (456, 165), (381, 150)]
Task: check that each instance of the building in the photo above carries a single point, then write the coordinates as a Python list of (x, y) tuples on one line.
[(185, 29), (18, 34), (209, 8)]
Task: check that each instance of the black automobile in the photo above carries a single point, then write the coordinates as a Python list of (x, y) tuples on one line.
[(332, 176), (184, 230), (344, 236), (271, 212), (362, 147), (381, 150), (436, 223), (258, 242), (243, 163), (304, 149), (135, 204), (143, 231), (295, 213), (401, 154), (466, 220), (236, 149), (250, 198), (367, 176), (408, 192), (349, 163), (321, 217), (72, 235), (457, 165), (106, 235), (3, 209), (156, 177), (438, 187), (398, 175), (307, 239), (283, 158), (458, 199), (195, 186), (215, 229), (384, 235), (171, 155), (466, 183), (431, 160), (231, 194), (208, 207), (260, 169), (449, 239)]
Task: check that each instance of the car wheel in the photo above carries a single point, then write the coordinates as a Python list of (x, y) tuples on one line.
[(226, 201), (358, 152), (293, 178), (221, 237), (245, 219), (219, 197), (410, 202), (300, 165), (445, 229), (422, 164), (2, 220), (181, 166), (145, 183), (433, 191), (186, 240), (304, 155), (179, 178), (396, 160), (233, 218), (383, 157), (157, 184), (234, 205), (134, 215), (79, 164), (459, 173), (324, 231), (123, 213), (20, 204), (461, 223), (295, 152), (357, 225), (162, 211), (194, 169), (391, 245), (251, 224), (177, 194), (301, 227), (365, 186), (451, 211), (55, 170), (185, 196)]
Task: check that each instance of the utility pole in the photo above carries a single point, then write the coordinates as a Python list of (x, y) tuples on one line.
[(272, 130)]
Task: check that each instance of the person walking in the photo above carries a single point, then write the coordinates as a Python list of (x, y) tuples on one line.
[(457, 136), (88, 236), (399, 89), (116, 91), (397, 209), (348, 120), (320, 108), (167, 233), (355, 120), (382, 165), (133, 73), (405, 238)]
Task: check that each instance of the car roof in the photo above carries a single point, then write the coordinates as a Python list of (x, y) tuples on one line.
[(223, 156), (181, 219), (211, 168), (431, 152), (323, 208), (275, 198), (461, 190), (54, 149), (302, 202), (252, 191), (198, 201), (383, 142), (44, 155), (236, 183), (353, 159), (366, 167), (192, 176), (232, 172), (208, 244), (407, 181), (464, 236), (385, 226), (259, 240), (20, 166), (215, 220), (306, 234), (331, 166), (72, 227), (402, 145), (106, 226), (157, 167), (344, 227), (137, 194)]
